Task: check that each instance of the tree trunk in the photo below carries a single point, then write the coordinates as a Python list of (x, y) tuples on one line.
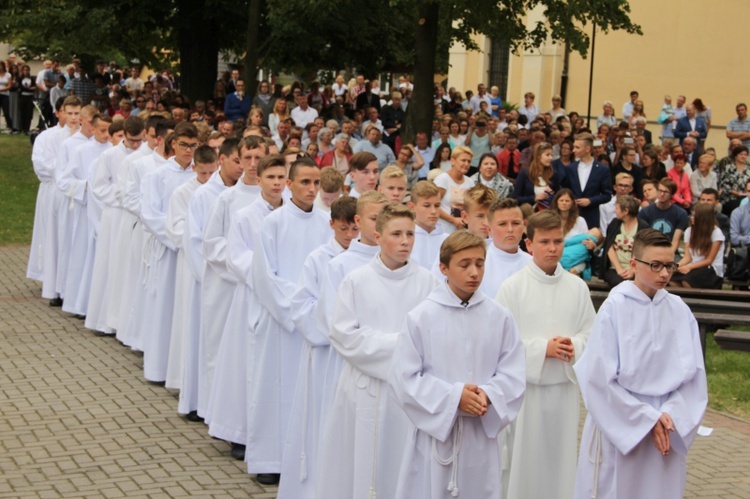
[(199, 54), (421, 107), (252, 49)]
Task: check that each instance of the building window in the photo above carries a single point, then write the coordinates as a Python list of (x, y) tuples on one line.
[(499, 61)]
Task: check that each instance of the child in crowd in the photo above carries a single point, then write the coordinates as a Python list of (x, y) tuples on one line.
[(458, 372), (643, 380)]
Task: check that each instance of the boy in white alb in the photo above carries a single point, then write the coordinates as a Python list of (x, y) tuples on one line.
[(504, 256), (300, 448), (361, 450), (643, 380), (205, 164), (331, 188), (363, 172), (458, 372), (286, 238), (428, 235), (543, 440), (393, 184)]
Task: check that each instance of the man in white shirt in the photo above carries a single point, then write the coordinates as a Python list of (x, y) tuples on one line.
[(134, 83), (529, 109), (479, 97), (303, 114), (627, 108)]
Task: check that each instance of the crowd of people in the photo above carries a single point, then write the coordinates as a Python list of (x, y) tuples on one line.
[(359, 316)]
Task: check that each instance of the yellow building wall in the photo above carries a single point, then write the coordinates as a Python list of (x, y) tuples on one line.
[(689, 47)]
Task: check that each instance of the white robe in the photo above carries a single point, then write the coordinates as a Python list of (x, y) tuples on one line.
[(175, 229), (76, 179), (136, 262), (362, 444), (644, 358), (300, 450), (51, 234), (499, 265), (66, 216), (156, 315), (358, 255), (43, 159), (286, 237), (124, 275), (103, 188), (218, 283), (427, 245), (444, 346), (543, 440), (192, 394), (229, 394)]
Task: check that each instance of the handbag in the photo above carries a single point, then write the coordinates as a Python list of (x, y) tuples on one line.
[(737, 263)]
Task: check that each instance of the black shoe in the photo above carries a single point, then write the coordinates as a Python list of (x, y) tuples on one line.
[(193, 416), (157, 383), (238, 451), (80, 317), (56, 302), (268, 478)]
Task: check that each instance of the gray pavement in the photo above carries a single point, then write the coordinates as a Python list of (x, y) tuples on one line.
[(78, 420)]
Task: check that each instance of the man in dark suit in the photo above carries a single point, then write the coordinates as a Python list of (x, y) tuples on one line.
[(691, 126), (690, 149), (589, 180), (640, 126), (368, 99)]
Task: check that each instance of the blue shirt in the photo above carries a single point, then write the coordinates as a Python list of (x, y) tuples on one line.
[(739, 225)]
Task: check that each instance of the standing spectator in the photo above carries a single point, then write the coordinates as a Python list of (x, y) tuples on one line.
[(373, 145), (27, 85), (339, 88), (509, 159), (666, 120), (83, 87), (702, 111), (557, 111), (422, 144), (303, 113), (367, 98), (627, 108), (627, 164), (264, 100), (480, 142), (237, 105), (231, 83), (452, 185), (608, 115), (279, 113), (480, 97), (529, 109), (134, 83), (489, 177), (691, 126), (637, 112), (393, 117), (537, 184), (589, 180), (739, 127), (496, 101), (6, 83)]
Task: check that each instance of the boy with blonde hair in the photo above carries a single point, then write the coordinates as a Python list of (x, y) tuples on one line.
[(475, 212), (393, 184), (425, 201), (331, 188), (362, 443), (457, 404)]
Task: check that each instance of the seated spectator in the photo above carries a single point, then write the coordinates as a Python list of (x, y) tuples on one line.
[(711, 196), (579, 240), (650, 190), (339, 156), (623, 188), (627, 164), (566, 154), (409, 161), (683, 195), (702, 265), (703, 177), (491, 178), (442, 159), (537, 184), (739, 223), (618, 244), (667, 218), (509, 159), (652, 168), (733, 180), (375, 146)]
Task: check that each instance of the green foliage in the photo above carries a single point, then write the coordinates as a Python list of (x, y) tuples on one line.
[(18, 187)]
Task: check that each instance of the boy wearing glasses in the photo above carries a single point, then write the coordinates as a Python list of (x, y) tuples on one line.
[(644, 384)]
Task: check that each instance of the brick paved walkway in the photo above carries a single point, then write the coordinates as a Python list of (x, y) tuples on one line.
[(77, 419)]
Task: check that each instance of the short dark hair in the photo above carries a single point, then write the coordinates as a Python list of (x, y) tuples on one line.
[(154, 120), (343, 209), (163, 127), (302, 161), (669, 184), (115, 127), (229, 146), (648, 238), (360, 160), (133, 126), (711, 192), (543, 220), (204, 155), (738, 150), (270, 161)]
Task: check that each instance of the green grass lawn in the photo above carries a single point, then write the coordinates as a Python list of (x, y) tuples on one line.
[(728, 372), (728, 379), (18, 187)]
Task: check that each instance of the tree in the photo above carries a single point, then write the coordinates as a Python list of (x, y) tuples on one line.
[(503, 20)]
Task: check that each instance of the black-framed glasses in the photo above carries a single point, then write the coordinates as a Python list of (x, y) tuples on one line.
[(658, 266), (185, 145)]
